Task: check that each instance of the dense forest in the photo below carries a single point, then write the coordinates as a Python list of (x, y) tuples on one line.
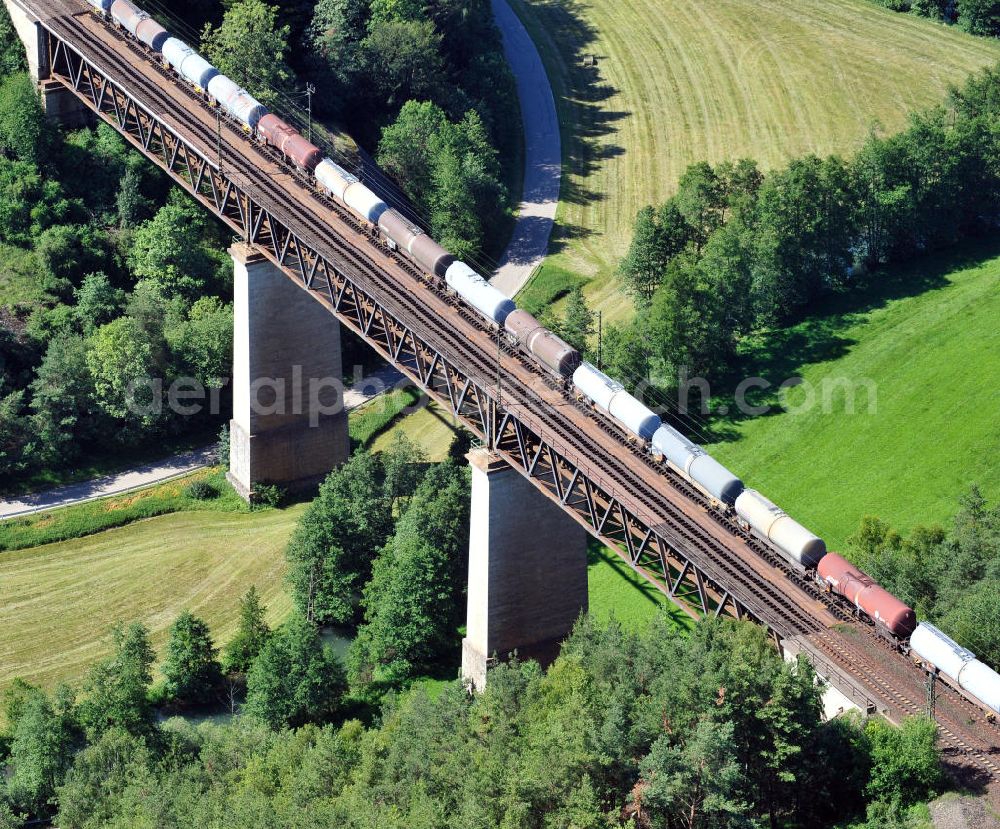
[(656, 729)]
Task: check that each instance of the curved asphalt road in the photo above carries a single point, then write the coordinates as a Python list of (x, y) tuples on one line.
[(542, 154)]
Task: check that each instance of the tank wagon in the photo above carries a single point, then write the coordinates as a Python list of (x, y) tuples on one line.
[(755, 513), (771, 523), (937, 651), (286, 140), (475, 290), (696, 466), (554, 353), (609, 397), (887, 612)]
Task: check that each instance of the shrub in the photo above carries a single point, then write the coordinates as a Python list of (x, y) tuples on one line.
[(267, 495), (201, 491)]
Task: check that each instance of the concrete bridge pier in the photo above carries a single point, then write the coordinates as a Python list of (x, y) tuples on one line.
[(58, 103), (527, 570), (289, 425)]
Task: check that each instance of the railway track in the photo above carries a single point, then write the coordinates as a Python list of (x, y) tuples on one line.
[(780, 594), (785, 615), (963, 744)]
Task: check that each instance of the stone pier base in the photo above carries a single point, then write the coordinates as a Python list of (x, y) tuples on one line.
[(527, 570), (289, 425), (63, 107)]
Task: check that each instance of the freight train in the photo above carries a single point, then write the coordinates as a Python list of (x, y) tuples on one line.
[(757, 516)]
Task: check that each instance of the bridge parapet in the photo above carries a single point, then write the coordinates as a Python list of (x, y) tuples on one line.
[(527, 570)]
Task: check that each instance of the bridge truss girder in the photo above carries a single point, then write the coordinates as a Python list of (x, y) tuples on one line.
[(654, 550)]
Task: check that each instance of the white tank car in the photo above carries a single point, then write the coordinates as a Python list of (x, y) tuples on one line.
[(475, 290), (934, 646), (959, 664), (595, 385), (610, 395), (980, 680), (333, 178), (771, 522), (364, 202), (188, 63), (696, 465)]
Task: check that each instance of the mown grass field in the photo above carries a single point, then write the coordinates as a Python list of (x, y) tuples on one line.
[(930, 343), (679, 82), (59, 600)]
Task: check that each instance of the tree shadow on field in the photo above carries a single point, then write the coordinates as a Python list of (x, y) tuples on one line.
[(780, 355), (581, 92)]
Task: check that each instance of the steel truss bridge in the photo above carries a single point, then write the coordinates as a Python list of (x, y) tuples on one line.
[(652, 518)]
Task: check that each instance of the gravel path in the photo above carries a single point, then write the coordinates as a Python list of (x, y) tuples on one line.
[(542, 154)]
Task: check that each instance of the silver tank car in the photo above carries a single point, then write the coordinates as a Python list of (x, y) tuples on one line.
[(774, 524), (552, 352), (475, 290), (695, 464), (611, 396), (101, 5), (430, 255)]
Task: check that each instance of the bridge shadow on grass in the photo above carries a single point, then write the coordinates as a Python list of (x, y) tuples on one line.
[(617, 591), (779, 355), (560, 31)]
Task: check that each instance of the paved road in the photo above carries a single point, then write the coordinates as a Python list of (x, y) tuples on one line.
[(150, 473), (542, 156), (378, 382)]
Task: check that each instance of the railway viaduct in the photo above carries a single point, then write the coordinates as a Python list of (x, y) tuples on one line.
[(553, 473)]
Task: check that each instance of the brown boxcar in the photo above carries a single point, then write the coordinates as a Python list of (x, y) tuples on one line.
[(151, 33), (864, 593), (430, 255)]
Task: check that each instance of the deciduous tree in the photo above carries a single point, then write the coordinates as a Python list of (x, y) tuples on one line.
[(295, 679)]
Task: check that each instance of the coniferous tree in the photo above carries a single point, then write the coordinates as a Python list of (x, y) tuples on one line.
[(191, 669), (116, 690), (295, 679), (251, 636)]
